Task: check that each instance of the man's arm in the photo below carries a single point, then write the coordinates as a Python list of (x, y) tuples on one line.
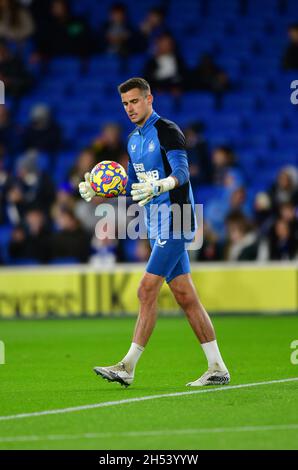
[(172, 141), (179, 164)]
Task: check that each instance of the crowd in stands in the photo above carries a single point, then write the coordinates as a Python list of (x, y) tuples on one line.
[(43, 219)]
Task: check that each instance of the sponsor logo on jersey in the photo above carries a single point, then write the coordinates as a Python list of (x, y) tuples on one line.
[(133, 147), (153, 174), (139, 167)]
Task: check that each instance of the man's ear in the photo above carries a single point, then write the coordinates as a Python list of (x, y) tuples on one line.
[(150, 99)]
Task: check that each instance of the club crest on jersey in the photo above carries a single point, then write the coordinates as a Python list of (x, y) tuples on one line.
[(151, 146)]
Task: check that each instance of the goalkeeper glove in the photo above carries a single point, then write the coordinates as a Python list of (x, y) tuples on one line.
[(150, 188), (85, 189)]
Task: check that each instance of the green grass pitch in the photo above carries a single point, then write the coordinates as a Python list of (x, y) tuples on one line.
[(49, 366)]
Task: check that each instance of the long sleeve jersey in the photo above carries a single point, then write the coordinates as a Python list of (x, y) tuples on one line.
[(158, 149)]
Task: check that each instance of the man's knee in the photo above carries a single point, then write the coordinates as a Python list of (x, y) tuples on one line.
[(148, 290), (185, 298)]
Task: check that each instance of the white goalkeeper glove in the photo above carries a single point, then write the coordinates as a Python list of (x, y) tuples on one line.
[(85, 189), (150, 188)]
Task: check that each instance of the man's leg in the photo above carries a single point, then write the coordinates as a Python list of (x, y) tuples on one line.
[(147, 294), (164, 258), (123, 372), (186, 296)]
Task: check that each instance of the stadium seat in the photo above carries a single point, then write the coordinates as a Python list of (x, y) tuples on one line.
[(5, 236), (65, 260)]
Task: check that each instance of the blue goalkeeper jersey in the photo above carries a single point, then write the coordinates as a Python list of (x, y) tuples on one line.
[(158, 149)]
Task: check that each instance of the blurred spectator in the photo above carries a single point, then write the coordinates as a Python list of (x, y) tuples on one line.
[(211, 249), (7, 138), (285, 189), (225, 200), (109, 146), (31, 186), (290, 58), (70, 240), (117, 34), (16, 22), (262, 213), (84, 163), (39, 10), (32, 241), (224, 171), (85, 212), (89, 217), (239, 202), (64, 199), (104, 251), (198, 155), (289, 213), (215, 210), (142, 251), (15, 203), (42, 132), (166, 71), (282, 243), (152, 27), (13, 73), (63, 34), (209, 76), (233, 179), (242, 242), (4, 184)]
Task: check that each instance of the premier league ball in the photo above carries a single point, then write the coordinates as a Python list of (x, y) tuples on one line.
[(108, 179)]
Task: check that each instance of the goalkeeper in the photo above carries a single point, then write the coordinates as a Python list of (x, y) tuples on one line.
[(158, 175)]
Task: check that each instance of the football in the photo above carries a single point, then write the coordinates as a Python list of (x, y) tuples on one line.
[(108, 179)]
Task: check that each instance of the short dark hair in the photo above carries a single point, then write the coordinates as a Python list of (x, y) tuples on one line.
[(118, 7), (238, 218), (135, 82)]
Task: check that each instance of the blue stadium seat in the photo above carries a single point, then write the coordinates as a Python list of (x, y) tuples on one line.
[(265, 122), (203, 194), (197, 101), (5, 236), (65, 261), (240, 102), (24, 262), (104, 64), (64, 66)]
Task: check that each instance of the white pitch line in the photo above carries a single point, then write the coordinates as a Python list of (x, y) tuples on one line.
[(139, 399), (163, 432)]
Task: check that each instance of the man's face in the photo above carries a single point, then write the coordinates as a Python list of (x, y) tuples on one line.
[(219, 158), (164, 45), (3, 53), (293, 33), (137, 106)]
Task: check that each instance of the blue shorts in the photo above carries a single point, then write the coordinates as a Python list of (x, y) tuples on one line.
[(168, 258)]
